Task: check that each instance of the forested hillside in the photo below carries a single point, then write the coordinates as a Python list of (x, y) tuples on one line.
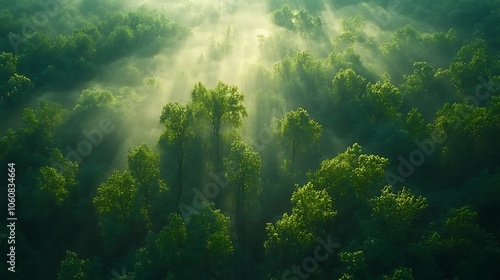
[(238, 139)]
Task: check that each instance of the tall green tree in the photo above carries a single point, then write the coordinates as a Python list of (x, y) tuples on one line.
[(57, 184), (415, 124), (299, 131), (283, 17), (120, 220), (399, 210), (466, 133), (292, 235), (404, 41), (382, 102), (352, 32), (296, 20), (42, 123), (461, 247), (222, 105), (197, 248), (116, 195), (244, 172), (20, 88), (178, 120), (144, 166), (347, 89), (471, 61), (94, 101), (297, 76), (426, 89), (8, 67), (351, 177), (14, 88)]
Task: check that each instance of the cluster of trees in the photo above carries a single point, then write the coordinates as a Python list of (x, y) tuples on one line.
[(390, 169), (71, 47), (296, 20), (14, 88)]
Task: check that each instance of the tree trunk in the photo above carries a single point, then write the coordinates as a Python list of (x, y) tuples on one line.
[(180, 164), (239, 202), (294, 147), (217, 149)]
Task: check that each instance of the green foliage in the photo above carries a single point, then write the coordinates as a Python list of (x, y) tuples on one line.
[(382, 102), (179, 131), (299, 75), (415, 124), (400, 97), (297, 20), (211, 235), (15, 89), (57, 184), (73, 267), (397, 210), (462, 222), (144, 166), (304, 21), (95, 101), (402, 41), (348, 87), (221, 106), (464, 128), (61, 47), (120, 39), (244, 166), (346, 59), (352, 32), (467, 248), (20, 89), (482, 193), (425, 89), (8, 66), (195, 249), (312, 207), (400, 274), (351, 175), (171, 240), (178, 120), (115, 196), (283, 17), (290, 237), (299, 131), (488, 29), (471, 61), (354, 265), (392, 139), (121, 218), (41, 123), (388, 234)]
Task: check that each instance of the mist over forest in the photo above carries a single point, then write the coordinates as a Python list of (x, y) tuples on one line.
[(238, 139)]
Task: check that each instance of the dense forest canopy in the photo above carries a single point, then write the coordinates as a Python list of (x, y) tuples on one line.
[(238, 139)]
